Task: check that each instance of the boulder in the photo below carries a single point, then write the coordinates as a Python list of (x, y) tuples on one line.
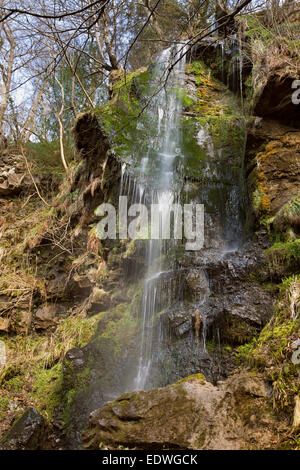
[(26, 434), (99, 301), (45, 316), (189, 414)]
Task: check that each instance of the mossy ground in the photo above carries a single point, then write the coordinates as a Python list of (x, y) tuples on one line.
[(33, 375)]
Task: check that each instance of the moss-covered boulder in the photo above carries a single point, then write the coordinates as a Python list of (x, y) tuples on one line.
[(190, 414)]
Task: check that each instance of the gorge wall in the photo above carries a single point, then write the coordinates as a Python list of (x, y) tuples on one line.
[(226, 320)]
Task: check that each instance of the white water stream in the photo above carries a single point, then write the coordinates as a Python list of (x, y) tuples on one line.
[(165, 112)]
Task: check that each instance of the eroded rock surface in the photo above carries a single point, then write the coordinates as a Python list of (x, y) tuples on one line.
[(190, 414), (27, 433), (13, 175), (274, 171)]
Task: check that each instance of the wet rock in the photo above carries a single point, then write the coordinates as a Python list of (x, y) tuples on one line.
[(74, 362), (232, 312), (197, 285), (183, 328), (26, 434), (190, 414), (273, 97)]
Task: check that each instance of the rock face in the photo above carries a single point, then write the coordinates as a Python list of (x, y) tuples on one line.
[(26, 434), (13, 175), (233, 308), (190, 414), (274, 76), (274, 171), (210, 281), (45, 316)]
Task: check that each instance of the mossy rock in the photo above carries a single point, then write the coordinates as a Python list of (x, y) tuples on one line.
[(193, 378)]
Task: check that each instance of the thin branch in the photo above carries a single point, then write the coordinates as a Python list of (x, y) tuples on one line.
[(12, 11), (61, 128)]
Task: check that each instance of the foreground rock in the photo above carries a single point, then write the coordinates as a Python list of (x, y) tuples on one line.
[(26, 434), (190, 414)]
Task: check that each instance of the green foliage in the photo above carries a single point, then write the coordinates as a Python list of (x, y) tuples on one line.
[(257, 29), (191, 378), (287, 219), (45, 155), (264, 35), (47, 389)]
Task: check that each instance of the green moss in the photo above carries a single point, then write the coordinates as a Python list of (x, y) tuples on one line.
[(79, 385), (257, 196), (197, 67), (120, 330), (192, 378), (120, 117), (214, 133), (283, 257)]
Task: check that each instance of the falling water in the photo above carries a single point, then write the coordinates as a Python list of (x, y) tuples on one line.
[(153, 181), (165, 112)]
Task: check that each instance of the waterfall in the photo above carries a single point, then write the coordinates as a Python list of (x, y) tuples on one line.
[(153, 183), (153, 179)]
